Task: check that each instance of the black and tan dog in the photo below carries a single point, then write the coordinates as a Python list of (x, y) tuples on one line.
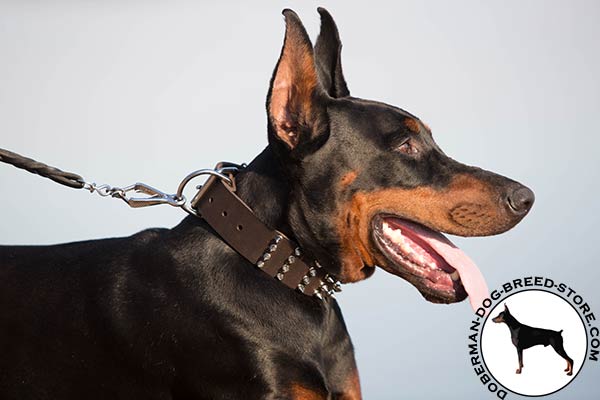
[(524, 337), (178, 314)]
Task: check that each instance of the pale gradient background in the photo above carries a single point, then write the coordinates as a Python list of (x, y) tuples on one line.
[(120, 91)]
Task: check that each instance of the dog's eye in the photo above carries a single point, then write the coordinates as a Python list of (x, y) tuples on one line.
[(407, 148)]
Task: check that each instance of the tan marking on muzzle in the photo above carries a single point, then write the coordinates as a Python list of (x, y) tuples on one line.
[(467, 206)]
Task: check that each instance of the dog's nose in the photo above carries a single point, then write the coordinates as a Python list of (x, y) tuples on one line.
[(520, 199)]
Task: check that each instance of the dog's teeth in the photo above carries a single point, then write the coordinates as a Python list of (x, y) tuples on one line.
[(391, 232), (405, 248), (455, 276)]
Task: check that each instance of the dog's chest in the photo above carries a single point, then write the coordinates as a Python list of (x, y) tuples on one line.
[(514, 336)]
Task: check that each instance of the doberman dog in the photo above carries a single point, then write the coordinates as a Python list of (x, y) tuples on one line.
[(524, 337), (178, 314)]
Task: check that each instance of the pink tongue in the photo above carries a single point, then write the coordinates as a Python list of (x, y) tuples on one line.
[(470, 276)]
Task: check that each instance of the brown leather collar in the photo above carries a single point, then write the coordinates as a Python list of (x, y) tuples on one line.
[(266, 248)]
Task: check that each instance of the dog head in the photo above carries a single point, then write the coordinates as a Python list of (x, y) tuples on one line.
[(369, 185), (503, 316)]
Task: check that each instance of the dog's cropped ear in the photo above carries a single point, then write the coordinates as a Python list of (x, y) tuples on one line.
[(295, 103), (506, 307), (328, 54)]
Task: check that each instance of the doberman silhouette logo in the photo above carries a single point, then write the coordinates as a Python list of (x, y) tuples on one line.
[(540, 334), (524, 336)]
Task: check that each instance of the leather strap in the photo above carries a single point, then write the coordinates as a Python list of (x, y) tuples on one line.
[(266, 248)]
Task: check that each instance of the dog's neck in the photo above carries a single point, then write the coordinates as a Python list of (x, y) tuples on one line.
[(511, 321), (265, 190)]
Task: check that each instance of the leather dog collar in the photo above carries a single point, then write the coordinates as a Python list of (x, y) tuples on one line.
[(268, 249)]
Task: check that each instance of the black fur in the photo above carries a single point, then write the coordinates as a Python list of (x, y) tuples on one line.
[(176, 313)]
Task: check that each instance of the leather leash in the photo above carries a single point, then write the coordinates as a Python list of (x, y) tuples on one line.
[(216, 202)]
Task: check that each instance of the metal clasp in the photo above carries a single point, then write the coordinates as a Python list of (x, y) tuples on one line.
[(156, 196)]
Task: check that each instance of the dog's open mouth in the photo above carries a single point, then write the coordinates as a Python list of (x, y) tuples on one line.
[(428, 260)]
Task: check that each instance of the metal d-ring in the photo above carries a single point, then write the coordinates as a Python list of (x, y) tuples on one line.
[(219, 173)]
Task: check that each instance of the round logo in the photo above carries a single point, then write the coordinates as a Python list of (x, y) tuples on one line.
[(533, 342)]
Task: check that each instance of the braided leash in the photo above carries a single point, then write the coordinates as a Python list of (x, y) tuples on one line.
[(35, 167)]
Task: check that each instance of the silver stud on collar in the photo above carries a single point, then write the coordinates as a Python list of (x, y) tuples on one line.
[(285, 267), (327, 291), (270, 249), (328, 286)]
